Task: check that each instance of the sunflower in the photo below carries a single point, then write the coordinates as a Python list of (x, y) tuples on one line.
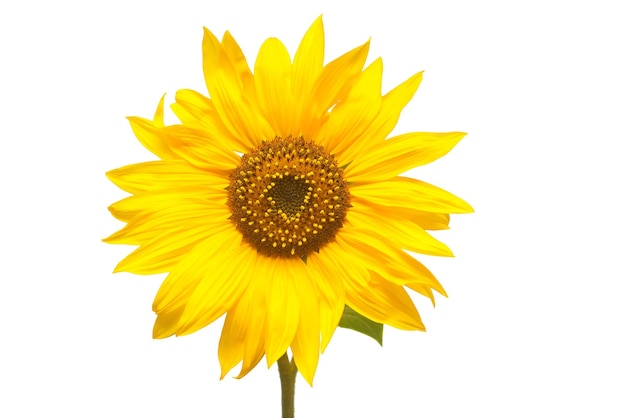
[(279, 200)]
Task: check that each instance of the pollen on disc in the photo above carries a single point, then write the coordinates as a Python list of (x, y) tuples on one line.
[(288, 197)]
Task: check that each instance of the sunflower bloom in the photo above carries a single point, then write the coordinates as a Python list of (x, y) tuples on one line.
[(279, 200)]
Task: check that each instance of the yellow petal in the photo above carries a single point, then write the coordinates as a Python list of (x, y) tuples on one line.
[(187, 213), (332, 86), (254, 343), (220, 285), (377, 254), (401, 231), (199, 150), (195, 110), (272, 76), (391, 107), (283, 306), (330, 315), (230, 348), (309, 59), (307, 67), (158, 114), (149, 133), (306, 344), (199, 263), (243, 335), (382, 301), (350, 119), (241, 117), (426, 220), (236, 56), (163, 175), (326, 275), (166, 324), (127, 208), (211, 50), (400, 154), (423, 290), (166, 250), (409, 193)]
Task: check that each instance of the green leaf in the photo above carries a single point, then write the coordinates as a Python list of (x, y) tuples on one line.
[(357, 322)]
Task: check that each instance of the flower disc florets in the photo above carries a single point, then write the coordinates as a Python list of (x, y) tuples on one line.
[(288, 197)]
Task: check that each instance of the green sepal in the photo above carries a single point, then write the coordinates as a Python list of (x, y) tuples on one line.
[(357, 322)]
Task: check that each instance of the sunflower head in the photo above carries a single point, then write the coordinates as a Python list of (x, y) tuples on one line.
[(278, 200)]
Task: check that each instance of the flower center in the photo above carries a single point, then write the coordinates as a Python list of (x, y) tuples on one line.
[(288, 197)]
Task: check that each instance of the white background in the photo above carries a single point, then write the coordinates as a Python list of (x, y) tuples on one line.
[(534, 325)]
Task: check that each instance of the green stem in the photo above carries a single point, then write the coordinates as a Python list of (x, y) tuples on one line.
[(288, 371)]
